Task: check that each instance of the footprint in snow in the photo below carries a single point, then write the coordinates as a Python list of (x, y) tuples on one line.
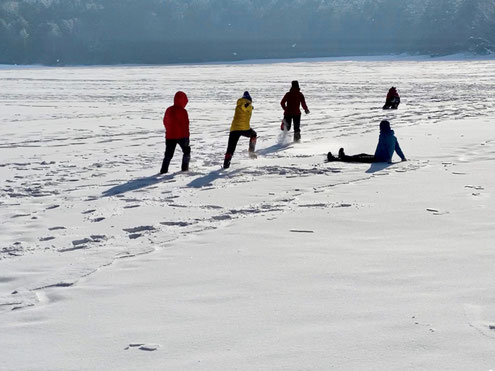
[(177, 224), (83, 243), (301, 231), (320, 205), (342, 205), (49, 238), (221, 217), (142, 228), (436, 211), (211, 207), (19, 216), (143, 346), (478, 188)]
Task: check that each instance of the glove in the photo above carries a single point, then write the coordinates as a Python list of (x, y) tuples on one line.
[(306, 111)]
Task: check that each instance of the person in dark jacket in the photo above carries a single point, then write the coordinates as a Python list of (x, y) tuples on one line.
[(176, 122), (393, 99), (290, 103), (387, 145), (241, 126)]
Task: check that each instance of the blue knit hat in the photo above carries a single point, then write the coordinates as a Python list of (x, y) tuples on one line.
[(247, 96)]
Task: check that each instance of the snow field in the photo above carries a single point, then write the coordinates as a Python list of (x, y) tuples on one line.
[(283, 262)]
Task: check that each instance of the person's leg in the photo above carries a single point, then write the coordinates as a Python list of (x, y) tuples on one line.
[(252, 139), (233, 139), (170, 145), (362, 157), (288, 122), (297, 127), (186, 153)]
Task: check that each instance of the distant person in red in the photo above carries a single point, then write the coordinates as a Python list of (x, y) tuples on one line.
[(393, 99), (176, 122), (290, 103)]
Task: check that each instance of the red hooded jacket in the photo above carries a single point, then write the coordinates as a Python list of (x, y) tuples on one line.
[(392, 93), (176, 120), (291, 101)]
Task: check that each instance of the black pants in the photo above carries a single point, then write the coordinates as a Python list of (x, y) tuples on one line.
[(392, 103), (297, 122), (234, 138), (170, 145), (362, 157)]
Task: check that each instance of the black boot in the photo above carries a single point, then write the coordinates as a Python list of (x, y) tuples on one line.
[(185, 162), (226, 161), (297, 136), (165, 163), (252, 144), (252, 147)]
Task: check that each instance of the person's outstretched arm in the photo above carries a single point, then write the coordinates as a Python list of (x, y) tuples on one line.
[(399, 151), (283, 102), (303, 103)]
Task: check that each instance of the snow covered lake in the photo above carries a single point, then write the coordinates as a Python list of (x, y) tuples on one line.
[(282, 262)]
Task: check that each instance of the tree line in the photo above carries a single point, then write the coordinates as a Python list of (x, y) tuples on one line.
[(177, 31)]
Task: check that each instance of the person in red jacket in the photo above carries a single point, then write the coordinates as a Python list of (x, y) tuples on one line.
[(290, 103), (176, 122), (393, 99)]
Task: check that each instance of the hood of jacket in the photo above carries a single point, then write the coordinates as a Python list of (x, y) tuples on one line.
[(180, 99)]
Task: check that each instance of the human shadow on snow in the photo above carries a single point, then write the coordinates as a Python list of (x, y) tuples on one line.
[(378, 166), (273, 148), (375, 166), (209, 178), (135, 184)]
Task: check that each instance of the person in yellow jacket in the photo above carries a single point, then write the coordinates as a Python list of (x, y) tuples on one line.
[(241, 127)]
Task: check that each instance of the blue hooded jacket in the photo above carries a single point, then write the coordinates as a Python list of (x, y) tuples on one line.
[(387, 144)]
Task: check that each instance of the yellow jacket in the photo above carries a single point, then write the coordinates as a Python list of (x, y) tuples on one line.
[(242, 115)]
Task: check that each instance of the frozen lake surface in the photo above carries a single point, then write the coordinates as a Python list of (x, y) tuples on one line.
[(79, 190), (73, 135)]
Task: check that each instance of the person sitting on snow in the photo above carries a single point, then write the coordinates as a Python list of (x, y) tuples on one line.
[(393, 99), (241, 127), (176, 122), (290, 103), (387, 145)]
